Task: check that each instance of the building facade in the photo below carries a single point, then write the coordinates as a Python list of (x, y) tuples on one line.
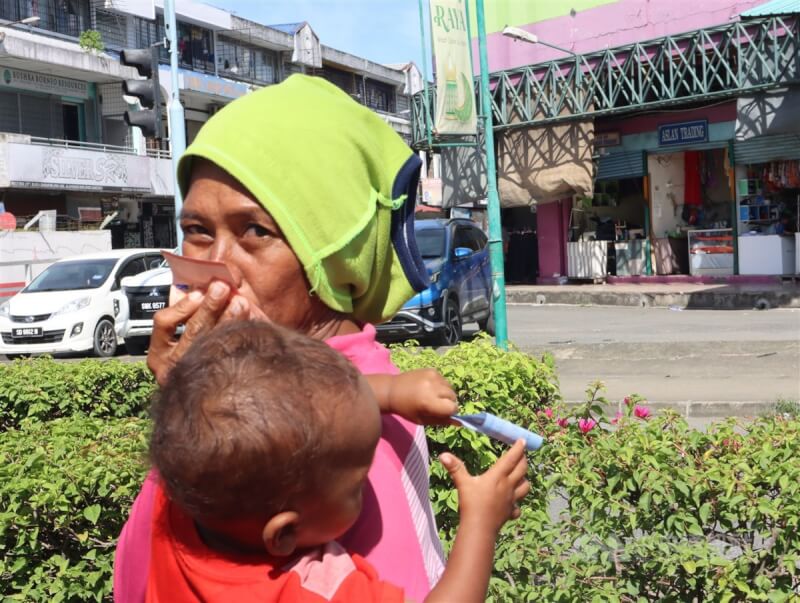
[(64, 146), (645, 138)]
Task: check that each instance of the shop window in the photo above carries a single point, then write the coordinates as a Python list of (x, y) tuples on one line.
[(380, 96), (36, 116), (71, 119)]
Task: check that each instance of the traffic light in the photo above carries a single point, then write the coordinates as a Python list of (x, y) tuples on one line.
[(148, 91)]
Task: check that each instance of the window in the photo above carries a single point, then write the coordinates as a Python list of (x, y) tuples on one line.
[(430, 242), (132, 267), (469, 237), (147, 33), (195, 48), (113, 28), (243, 61)]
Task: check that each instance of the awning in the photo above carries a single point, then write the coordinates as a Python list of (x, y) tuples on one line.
[(618, 166), (763, 149), (773, 8), (545, 163)]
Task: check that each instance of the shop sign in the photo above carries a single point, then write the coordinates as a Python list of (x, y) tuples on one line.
[(35, 166), (687, 132), (606, 139), (44, 82), (214, 86)]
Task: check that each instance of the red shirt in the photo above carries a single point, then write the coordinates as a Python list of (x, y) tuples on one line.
[(183, 569)]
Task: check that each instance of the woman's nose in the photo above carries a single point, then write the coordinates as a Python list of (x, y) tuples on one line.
[(223, 251)]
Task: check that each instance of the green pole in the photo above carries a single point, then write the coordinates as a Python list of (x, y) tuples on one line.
[(495, 230), (426, 98)]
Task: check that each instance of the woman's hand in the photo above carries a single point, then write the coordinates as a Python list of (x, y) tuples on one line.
[(487, 501), (422, 396), (199, 313)]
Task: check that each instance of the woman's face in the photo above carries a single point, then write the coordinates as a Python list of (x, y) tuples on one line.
[(222, 221)]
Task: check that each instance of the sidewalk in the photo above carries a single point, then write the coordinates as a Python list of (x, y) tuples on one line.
[(729, 294)]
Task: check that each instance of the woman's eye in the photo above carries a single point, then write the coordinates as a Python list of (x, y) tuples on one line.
[(256, 230), (193, 229)]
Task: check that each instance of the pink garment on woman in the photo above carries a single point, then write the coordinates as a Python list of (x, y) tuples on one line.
[(396, 531)]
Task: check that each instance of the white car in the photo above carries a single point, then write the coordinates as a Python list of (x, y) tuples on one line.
[(74, 305), (147, 293)]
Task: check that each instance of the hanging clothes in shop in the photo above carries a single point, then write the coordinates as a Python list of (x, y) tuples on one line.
[(693, 194)]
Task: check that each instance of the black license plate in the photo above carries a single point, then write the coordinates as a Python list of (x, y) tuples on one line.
[(27, 332), (152, 306)]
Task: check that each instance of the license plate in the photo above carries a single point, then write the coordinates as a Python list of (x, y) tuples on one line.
[(152, 306), (27, 332)]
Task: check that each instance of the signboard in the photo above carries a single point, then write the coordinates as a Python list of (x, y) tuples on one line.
[(431, 191), (214, 86), (606, 139), (36, 166), (455, 100), (683, 133), (44, 82)]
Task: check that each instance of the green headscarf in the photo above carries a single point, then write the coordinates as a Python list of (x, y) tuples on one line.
[(340, 183)]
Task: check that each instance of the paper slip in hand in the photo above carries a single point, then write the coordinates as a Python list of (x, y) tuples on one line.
[(191, 273), (500, 429)]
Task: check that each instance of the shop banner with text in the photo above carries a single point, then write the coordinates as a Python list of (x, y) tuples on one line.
[(455, 102)]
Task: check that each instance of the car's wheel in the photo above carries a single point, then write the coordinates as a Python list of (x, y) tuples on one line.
[(450, 334), (137, 346), (105, 339), (487, 324)]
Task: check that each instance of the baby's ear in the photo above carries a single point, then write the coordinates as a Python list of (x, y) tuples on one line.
[(279, 534)]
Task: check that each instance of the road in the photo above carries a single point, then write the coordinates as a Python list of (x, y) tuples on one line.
[(703, 362), (671, 357)]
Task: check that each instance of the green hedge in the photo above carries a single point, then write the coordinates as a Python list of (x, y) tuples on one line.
[(44, 389), (641, 510), (65, 489)]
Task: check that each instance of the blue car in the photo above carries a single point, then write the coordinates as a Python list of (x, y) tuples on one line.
[(456, 255)]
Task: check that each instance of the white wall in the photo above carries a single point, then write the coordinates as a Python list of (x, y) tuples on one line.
[(667, 182), (20, 247)]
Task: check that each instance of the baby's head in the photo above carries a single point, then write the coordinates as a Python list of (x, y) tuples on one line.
[(265, 435)]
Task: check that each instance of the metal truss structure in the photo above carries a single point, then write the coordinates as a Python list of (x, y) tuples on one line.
[(698, 66)]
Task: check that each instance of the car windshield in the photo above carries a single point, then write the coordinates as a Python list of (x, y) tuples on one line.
[(431, 242), (68, 276)]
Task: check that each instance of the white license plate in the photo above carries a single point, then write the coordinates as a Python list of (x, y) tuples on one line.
[(152, 306), (27, 332)]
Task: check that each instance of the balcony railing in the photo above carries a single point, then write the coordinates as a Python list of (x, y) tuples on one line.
[(94, 146)]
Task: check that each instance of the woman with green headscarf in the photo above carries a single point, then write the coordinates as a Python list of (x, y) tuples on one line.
[(308, 198)]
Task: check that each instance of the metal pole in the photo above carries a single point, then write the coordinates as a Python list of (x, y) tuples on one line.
[(495, 230), (177, 125), (426, 99)]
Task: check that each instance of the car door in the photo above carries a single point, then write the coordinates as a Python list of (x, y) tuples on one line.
[(129, 267), (463, 268), (481, 275)]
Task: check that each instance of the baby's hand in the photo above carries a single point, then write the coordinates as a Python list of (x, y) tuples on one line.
[(422, 396), (487, 501)]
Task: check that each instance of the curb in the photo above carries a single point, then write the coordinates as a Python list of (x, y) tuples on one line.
[(709, 300), (700, 409)]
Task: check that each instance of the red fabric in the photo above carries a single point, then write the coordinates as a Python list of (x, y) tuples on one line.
[(184, 570), (693, 192)]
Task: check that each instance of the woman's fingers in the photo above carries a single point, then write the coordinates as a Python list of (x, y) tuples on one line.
[(518, 472), (205, 318), (509, 461), (522, 489)]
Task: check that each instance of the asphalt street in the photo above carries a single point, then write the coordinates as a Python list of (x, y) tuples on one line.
[(704, 363), (672, 357)]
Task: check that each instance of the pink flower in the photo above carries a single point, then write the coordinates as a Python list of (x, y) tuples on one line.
[(548, 413), (563, 422), (586, 425), (627, 400), (616, 419), (641, 411)]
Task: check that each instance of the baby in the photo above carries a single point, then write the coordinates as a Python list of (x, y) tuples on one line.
[(263, 439)]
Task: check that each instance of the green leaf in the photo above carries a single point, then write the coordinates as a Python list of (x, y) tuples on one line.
[(92, 513), (690, 566)]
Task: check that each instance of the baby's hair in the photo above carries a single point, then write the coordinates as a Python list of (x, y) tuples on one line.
[(243, 424)]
